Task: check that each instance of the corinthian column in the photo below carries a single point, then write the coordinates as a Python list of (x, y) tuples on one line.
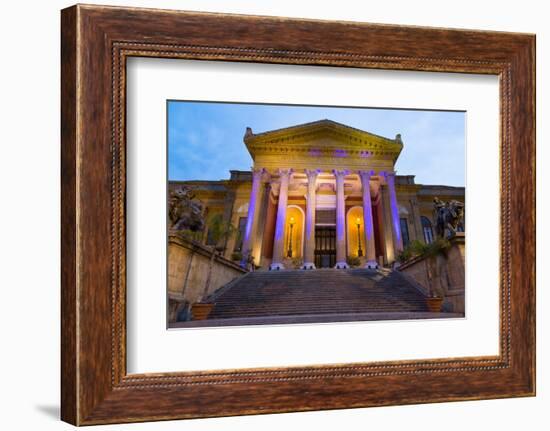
[(250, 220), (396, 227), (309, 248), (340, 220), (278, 241), (367, 219)]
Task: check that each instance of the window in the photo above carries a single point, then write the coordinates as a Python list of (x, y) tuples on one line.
[(240, 238), (404, 231), (427, 229)]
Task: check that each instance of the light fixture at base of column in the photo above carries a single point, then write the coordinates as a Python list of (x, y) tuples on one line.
[(371, 264)]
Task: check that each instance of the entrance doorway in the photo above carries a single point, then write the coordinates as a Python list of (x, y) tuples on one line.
[(325, 246)]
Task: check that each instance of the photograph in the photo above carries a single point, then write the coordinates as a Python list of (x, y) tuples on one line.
[(294, 214)]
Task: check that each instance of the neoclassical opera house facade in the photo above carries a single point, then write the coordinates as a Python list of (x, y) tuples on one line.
[(319, 194)]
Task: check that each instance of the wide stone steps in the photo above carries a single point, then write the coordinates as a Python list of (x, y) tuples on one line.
[(295, 292)]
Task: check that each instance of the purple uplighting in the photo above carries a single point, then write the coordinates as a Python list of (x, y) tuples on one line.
[(394, 208), (315, 152), (368, 230)]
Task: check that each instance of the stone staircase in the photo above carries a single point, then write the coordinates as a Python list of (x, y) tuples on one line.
[(318, 292)]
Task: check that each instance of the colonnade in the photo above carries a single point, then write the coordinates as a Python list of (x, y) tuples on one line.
[(285, 176)]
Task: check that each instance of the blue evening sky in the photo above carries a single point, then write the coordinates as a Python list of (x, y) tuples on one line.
[(205, 140)]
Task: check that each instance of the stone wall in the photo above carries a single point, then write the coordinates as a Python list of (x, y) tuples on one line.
[(446, 274), (188, 264)]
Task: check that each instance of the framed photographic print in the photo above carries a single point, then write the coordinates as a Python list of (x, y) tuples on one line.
[(268, 215)]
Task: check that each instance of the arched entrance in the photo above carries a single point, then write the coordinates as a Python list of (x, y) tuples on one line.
[(294, 236), (355, 232)]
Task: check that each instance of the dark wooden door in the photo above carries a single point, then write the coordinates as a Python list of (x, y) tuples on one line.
[(325, 246)]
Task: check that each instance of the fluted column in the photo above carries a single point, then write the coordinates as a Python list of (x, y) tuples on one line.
[(249, 229), (396, 227), (340, 220), (367, 220), (309, 248), (278, 241)]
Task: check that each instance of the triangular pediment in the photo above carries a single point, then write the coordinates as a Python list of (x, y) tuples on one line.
[(324, 137)]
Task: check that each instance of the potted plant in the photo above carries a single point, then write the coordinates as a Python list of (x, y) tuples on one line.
[(201, 310), (236, 256), (431, 253), (353, 261), (414, 249), (434, 303), (297, 263)]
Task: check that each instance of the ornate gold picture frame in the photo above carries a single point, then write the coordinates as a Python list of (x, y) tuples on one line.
[(96, 42)]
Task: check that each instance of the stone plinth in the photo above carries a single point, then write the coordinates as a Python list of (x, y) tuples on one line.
[(188, 264), (448, 276)]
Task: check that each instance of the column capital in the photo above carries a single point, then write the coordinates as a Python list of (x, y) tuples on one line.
[(365, 175), (340, 173), (285, 172), (388, 175), (258, 173), (312, 174)]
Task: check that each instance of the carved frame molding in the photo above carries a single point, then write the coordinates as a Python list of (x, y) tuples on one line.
[(96, 41)]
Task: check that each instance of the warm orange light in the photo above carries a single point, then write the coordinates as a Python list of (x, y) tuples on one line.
[(291, 219), (358, 220)]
